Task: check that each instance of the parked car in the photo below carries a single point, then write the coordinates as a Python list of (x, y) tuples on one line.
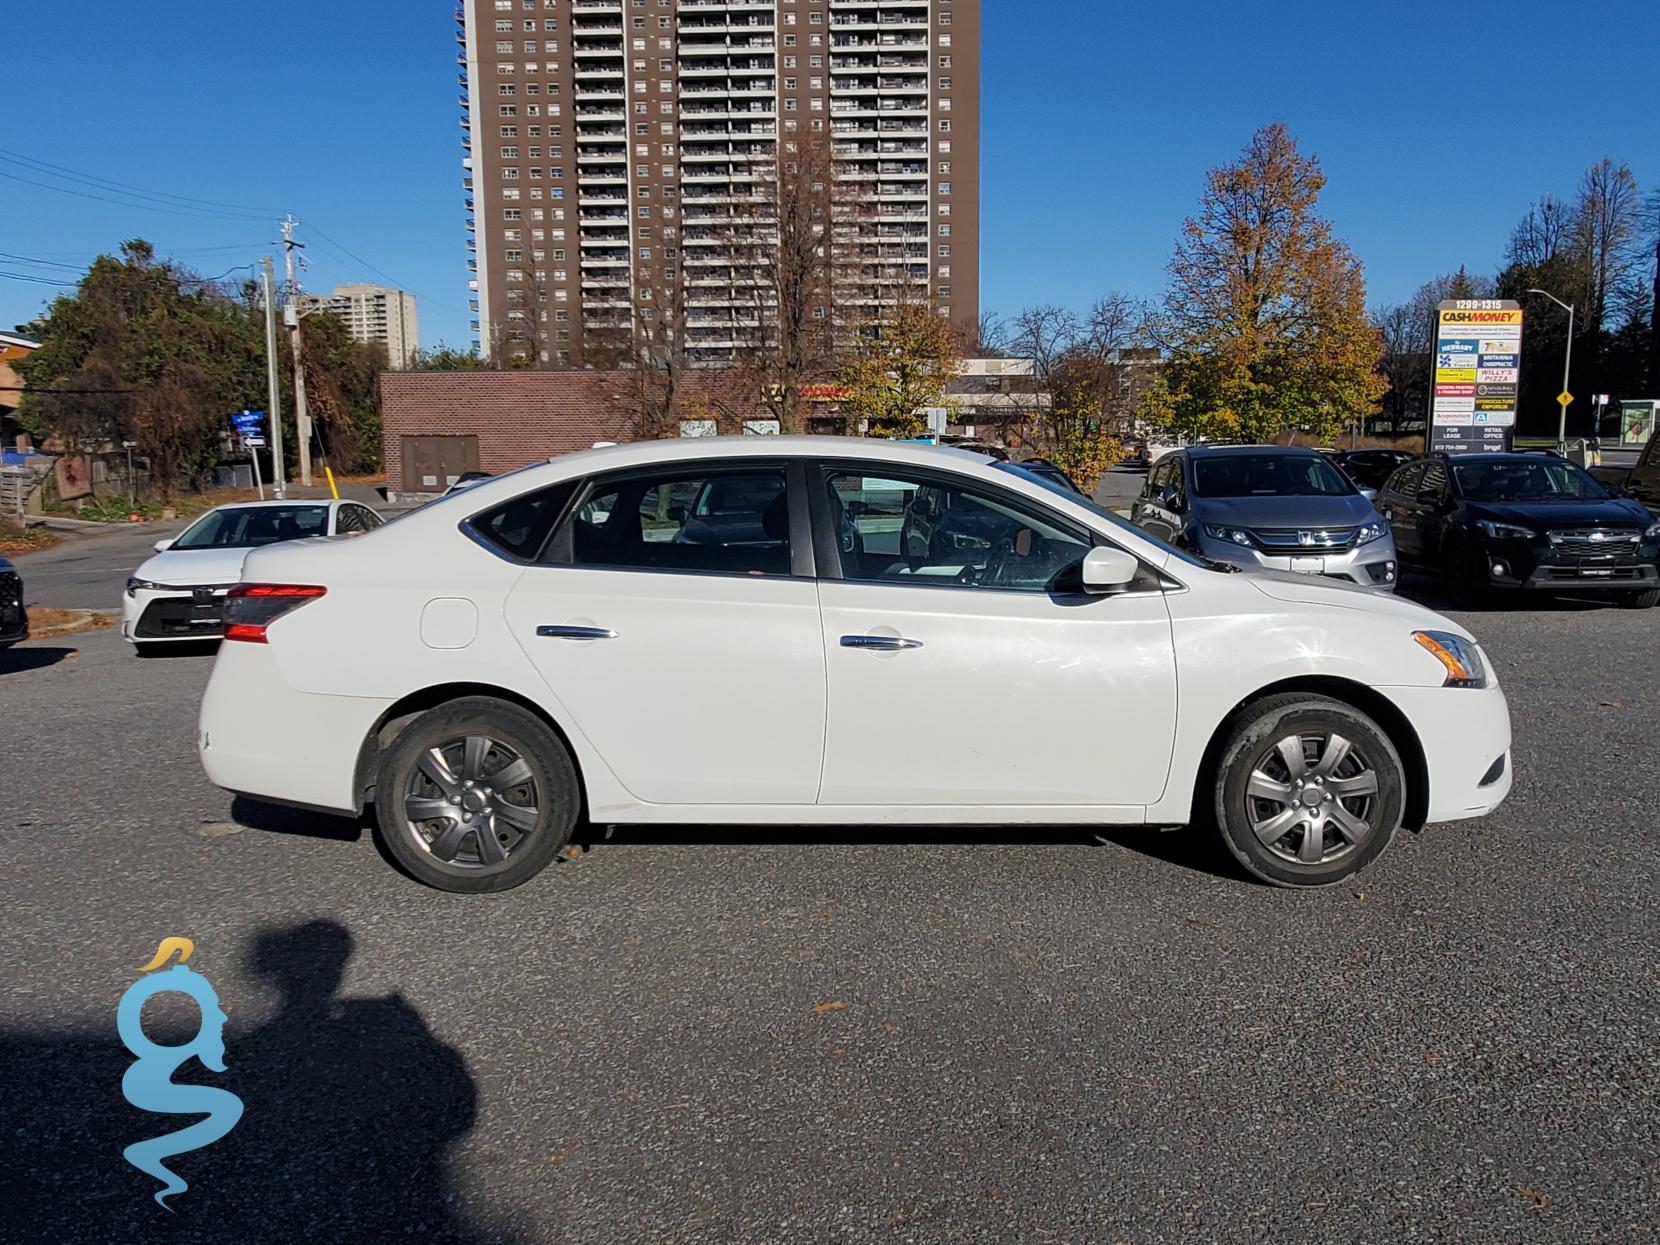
[(1049, 471), (1263, 507), (1073, 670), (14, 618), (177, 595), (1369, 468), (1522, 521)]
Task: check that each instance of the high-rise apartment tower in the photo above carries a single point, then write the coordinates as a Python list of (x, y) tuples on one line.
[(626, 161)]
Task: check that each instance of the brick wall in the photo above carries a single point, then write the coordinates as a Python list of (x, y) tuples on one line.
[(522, 416)]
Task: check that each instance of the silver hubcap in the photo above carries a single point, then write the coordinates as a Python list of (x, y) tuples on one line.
[(471, 801), (1311, 799)]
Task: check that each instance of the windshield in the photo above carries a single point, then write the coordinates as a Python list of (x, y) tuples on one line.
[(1078, 499), (248, 526), (1267, 475), (1526, 479)]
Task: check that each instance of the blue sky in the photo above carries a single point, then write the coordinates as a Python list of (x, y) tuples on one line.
[(1436, 124)]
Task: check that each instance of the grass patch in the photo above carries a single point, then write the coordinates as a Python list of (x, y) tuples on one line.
[(45, 620)]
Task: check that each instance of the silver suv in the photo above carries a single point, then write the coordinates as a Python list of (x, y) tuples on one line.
[(1264, 507)]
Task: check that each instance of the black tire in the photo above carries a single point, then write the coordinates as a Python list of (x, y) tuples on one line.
[(555, 794), (1647, 599), (1464, 573), (1252, 744)]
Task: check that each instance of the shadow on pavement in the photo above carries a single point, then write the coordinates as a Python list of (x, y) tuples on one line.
[(1435, 595), (1190, 848), (302, 822), (32, 657), (350, 1108)]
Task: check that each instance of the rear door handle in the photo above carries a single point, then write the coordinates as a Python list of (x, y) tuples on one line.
[(576, 633), (880, 643)]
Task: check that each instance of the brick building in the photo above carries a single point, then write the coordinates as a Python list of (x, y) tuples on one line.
[(437, 425)]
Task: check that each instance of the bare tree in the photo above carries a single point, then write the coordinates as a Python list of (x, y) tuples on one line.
[(1545, 232), (1608, 229)]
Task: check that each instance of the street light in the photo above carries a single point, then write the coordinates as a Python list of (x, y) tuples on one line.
[(1567, 358)]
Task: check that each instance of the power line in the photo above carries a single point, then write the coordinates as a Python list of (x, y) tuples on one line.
[(19, 276), (42, 263), (126, 203), (358, 259), (111, 184)]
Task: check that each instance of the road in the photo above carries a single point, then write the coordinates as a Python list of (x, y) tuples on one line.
[(711, 1036)]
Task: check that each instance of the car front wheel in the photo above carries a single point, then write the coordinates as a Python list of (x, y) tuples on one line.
[(476, 795), (1309, 790), (1647, 599)]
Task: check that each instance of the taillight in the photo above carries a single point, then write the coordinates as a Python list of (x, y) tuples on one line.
[(251, 608)]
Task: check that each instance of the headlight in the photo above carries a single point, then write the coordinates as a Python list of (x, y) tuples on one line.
[(1460, 656), (1375, 530), (1219, 531), (1505, 531), (1651, 531), (135, 585)]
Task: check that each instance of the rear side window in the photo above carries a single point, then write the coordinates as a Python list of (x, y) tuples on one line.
[(734, 522), (1405, 481), (519, 528), (1435, 479)]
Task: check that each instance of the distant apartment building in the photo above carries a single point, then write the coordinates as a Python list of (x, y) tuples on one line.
[(374, 313), (625, 161)]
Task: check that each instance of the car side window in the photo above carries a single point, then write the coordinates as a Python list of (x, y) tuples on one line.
[(729, 522), (1405, 481), (895, 529), (346, 519), (1434, 479), (368, 518), (1156, 479), (519, 528)]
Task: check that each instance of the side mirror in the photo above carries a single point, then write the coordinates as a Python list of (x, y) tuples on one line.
[(1170, 499), (678, 511), (1106, 571), (162, 546), (1429, 495), (1370, 494), (856, 509)]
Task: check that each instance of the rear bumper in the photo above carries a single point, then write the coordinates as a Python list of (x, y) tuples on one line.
[(1465, 734), (258, 736)]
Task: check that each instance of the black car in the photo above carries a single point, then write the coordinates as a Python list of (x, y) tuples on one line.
[(14, 620), (1047, 470), (1519, 520), (1371, 468)]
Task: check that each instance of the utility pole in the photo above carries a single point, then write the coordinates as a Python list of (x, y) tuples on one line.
[(279, 477), (291, 317), (1567, 360)]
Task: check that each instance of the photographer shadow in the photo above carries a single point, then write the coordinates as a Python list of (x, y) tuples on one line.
[(351, 1106)]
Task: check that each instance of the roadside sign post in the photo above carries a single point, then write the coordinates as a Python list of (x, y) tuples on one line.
[(1478, 357), (250, 431)]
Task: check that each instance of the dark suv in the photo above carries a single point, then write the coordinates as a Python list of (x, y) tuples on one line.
[(14, 621), (1520, 520)]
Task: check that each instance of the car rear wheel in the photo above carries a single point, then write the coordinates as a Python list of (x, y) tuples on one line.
[(476, 795), (1309, 790), (1644, 600)]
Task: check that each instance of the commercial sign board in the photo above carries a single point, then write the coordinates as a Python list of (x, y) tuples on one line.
[(1478, 347)]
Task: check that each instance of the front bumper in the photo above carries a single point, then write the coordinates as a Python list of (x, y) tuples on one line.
[(1539, 567), (157, 616), (1371, 565), (1465, 734)]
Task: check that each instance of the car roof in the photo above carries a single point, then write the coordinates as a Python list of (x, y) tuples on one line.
[(680, 449), (1221, 451), (1494, 456)]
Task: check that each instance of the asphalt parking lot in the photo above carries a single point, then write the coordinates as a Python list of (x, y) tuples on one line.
[(708, 1036)]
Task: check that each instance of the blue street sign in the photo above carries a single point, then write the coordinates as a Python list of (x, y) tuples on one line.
[(248, 422)]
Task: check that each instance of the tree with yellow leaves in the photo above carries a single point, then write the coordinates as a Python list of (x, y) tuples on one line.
[(900, 365), (1266, 312)]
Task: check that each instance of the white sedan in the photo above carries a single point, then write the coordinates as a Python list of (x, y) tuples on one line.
[(178, 594), (812, 631)]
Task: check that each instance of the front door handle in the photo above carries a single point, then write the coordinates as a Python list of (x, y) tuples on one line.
[(880, 643), (576, 633)]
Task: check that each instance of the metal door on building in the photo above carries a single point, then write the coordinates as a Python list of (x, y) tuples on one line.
[(432, 464)]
